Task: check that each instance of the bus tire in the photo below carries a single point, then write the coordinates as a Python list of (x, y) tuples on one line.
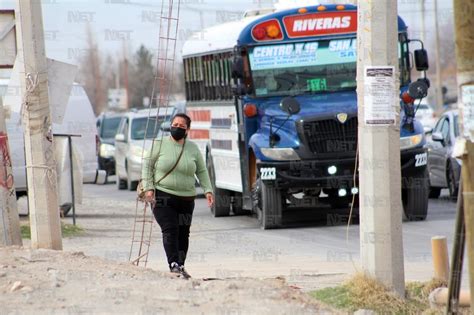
[(415, 197), (221, 206), (271, 212)]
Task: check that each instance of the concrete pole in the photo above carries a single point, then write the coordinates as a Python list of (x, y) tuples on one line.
[(9, 220), (463, 25), (381, 246), (422, 21), (439, 88), (39, 149)]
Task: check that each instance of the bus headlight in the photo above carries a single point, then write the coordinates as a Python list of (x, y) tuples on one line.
[(410, 142), (106, 150), (280, 154)]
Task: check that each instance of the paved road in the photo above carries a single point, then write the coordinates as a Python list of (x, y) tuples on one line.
[(319, 254)]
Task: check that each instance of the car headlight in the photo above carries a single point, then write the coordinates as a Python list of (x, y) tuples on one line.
[(106, 150), (280, 154), (410, 142)]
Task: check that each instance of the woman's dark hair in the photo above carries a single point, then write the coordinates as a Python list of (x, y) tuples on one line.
[(185, 117)]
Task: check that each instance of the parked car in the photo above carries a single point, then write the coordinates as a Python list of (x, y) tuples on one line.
[(426, 115), (445, 170), (107, 126), (130, 142)]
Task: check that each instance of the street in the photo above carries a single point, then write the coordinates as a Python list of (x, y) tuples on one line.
[(315, 255)]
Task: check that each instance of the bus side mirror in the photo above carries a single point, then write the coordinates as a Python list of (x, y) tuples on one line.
[(421, 60), (290, 105), (238, 68), (419, 88)]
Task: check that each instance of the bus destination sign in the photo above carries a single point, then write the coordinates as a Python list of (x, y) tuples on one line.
[(320, 24)]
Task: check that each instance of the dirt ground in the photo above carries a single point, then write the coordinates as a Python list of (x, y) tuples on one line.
[(55, 282)]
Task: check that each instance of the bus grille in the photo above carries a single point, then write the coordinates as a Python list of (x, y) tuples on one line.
[(331, 138)]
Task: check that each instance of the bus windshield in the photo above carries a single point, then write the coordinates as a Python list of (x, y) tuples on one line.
[(310, 67)]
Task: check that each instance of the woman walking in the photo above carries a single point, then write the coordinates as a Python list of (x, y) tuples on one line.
[(168, 177)]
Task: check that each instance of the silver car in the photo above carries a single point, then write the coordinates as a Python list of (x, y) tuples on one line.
[(445, 170), (134, 136), (425, 114)]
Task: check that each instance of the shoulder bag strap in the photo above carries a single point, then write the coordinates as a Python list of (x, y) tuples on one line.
[(174, 166)]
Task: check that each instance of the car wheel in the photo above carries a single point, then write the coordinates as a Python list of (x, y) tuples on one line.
[(121, 184), (131, 184), (221, 206), (453, 186)]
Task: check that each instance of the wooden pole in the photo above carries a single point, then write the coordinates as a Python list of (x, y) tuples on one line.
[(464, 43), (381, 245), (39, 149), (439, 251)]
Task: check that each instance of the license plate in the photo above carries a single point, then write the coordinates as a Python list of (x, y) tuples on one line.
[(268, 173)]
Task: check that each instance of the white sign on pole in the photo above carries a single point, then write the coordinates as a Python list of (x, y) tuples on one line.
[(379, 85), (467, 94)]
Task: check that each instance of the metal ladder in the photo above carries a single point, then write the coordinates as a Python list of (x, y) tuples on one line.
[(162, 84)]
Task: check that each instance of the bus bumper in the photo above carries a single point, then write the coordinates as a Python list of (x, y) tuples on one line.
[(331, 174)]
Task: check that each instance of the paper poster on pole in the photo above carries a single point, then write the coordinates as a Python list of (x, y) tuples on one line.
[(467, 94), (379, 85)]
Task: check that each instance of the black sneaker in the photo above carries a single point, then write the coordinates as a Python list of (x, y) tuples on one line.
[(174, 268), (184, 273)]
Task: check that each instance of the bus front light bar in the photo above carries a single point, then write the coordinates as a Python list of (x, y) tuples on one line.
[(280, 154)]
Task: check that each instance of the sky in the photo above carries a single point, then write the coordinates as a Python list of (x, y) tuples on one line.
[(121, 26)]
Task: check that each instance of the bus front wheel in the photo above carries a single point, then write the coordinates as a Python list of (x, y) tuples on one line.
[(415, 197), (270, 206)]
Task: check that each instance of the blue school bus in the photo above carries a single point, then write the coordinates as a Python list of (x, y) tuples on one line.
[(274, 108)]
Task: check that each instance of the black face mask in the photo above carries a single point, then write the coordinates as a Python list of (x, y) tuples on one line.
[(178, 133)]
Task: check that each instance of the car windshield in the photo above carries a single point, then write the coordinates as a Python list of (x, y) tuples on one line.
[(140, 129), (109, 127)]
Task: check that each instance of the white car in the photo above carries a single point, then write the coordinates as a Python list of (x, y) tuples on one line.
[(135, 134), (426, 115)]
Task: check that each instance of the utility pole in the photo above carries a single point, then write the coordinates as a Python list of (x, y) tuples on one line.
[(439, 88), (422, 21), (381, 246), (464, 24), (9, 220), (39, 150)]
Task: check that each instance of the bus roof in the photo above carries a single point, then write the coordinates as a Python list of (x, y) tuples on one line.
[(218, 38), (299, 26)]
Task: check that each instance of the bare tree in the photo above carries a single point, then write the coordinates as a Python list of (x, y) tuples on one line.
[(90, 73)]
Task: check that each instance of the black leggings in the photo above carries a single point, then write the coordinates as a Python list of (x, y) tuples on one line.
[(174, 215)]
